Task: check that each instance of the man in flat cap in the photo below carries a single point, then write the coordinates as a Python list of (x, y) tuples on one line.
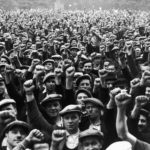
[(18, 136), (91, 139), (71, 116)]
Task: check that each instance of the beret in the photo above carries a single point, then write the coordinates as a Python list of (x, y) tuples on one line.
[(17, 123), (6, 101), (121, 145), (93, 101), (49, 75), (48, 60), (86, 76), (51, 98), (90, 133), (70, 109)]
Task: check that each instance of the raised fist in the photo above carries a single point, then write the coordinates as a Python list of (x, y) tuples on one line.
[(7, 116), (122, 99), (58, 135), (35, 62), (8, 68), (35, 136), (103, 73), (145, 77), (58, 72), (135, 83), (141, 100), (70, 72), (114, 92), (97, 82), (29, 86)]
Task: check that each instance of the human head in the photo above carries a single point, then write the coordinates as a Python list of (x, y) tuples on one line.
[(52, 104), (15, 133), (49, 81), (8, 104), (71, 118), (91, 139), (143, 121), (87, 66), (84, 82), (93, 107)]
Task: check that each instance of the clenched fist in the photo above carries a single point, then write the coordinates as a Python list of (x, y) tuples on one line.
[(141, 100), (70, 72), (122, 99), (29, 86), (58, 136)]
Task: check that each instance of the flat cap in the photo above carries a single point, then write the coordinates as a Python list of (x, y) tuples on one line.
[(48, 60), (51, 98), (48, 76), (70, 109), (56, 57), (86, 76), (91, 133), (121, 145), (6, 101), (17, 123), (88, 93), (93, 101)]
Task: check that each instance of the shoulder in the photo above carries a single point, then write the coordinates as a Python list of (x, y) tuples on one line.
[(141, 145)]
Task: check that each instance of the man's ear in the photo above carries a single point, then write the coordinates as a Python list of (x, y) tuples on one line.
[(6, 134)]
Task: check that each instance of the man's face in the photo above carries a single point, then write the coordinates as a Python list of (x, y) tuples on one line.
[(15, 136), (111, 69), (137, 52), (92, 110), (147, 92), (81, 97), (48, 66), (11, 108), (74, 43), (71, 122), (53, 108), (91, 143), (85, 84), (96, 64), (3, 60), (142, 123), (50, 84), (87, 67)]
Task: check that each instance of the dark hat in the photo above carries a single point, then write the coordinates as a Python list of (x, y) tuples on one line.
[(86, 76), (94, 101), (145, 113), (48, 60), (6, 101), (6, 57), (17, 123), (91, 133), (70, 109), (51, 98), (88, 93), (50, 75)]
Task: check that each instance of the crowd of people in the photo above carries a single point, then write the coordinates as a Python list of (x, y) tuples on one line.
[(74, 80)]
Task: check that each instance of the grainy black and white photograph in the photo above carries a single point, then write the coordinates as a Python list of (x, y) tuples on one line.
[(74, 74)]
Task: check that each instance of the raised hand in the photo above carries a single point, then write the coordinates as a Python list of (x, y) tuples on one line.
[(58, 136), (35, 136), (141, 101), (122, 99), (70, 72), (29, 86)]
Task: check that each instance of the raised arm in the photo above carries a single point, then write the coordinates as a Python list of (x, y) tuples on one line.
[(122, 100)]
